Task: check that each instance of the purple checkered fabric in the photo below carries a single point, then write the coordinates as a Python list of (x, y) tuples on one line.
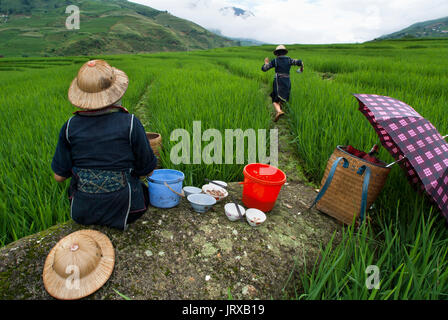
[(405, 133)]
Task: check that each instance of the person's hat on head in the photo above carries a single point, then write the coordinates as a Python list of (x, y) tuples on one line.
[(97, 85), (280, 50)]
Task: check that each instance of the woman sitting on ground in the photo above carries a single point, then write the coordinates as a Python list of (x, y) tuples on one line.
[(282, 82), (104, 150)]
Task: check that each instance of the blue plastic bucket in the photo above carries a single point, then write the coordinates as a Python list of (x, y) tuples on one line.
[(161, 196)]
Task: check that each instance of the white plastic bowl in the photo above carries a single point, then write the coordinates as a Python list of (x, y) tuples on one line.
[(232, 212), (206, 188), (201, 202), (191, 190), (255, 217)]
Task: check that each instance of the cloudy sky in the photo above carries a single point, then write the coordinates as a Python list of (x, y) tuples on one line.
[(305, 21)]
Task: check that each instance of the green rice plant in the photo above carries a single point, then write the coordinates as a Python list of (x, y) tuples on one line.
[(209, 94), (412, 264), (30, 201)]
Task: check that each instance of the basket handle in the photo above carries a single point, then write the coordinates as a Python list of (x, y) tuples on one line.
[(365, 185), (329, 179)]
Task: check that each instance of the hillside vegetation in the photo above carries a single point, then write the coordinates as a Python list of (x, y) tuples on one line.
[(37, 28), (437, 28)]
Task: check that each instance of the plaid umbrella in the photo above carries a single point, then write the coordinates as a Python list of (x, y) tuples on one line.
[(413, 141)]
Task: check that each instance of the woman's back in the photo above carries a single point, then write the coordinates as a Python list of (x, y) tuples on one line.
[(101, 142), (112, 141), (282, 64)]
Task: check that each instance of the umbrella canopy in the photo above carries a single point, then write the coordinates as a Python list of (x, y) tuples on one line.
[(412, 140)]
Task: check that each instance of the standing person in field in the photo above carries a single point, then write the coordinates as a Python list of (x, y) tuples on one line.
[(282, 82), (104, 150)]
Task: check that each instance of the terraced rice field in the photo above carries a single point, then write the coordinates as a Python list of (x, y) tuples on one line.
[(226, 89)]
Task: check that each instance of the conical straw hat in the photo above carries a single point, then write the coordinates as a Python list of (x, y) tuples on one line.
[(281, 48), (97, 85), (78, 265)]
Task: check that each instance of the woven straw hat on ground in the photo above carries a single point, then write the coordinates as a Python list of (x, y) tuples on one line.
[(78, 265), (97, 85), (280, 48)]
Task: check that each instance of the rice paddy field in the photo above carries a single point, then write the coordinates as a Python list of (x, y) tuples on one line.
[(226, 89)]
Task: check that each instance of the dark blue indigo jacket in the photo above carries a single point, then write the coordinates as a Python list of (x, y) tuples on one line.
[(281, 86), (113, 141)]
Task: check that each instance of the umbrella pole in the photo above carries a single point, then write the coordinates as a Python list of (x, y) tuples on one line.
[(392, 163)]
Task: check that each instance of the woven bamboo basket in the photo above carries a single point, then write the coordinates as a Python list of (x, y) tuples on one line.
[(155, 141), (342, 199)]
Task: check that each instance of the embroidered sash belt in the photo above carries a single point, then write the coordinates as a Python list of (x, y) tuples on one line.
[(100, 181)]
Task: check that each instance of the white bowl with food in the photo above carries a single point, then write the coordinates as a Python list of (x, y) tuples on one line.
[(255, 217), (219, 183), (216, 192), (231, 211)]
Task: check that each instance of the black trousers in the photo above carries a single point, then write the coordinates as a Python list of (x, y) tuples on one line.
[(135, 216)]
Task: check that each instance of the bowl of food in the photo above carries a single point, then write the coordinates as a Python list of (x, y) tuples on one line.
[(219, 183), (231, 211), (255, 217), (191, 190), (200, 202), (216, 192)]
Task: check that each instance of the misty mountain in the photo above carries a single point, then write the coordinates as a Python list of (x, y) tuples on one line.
[(426, 29)]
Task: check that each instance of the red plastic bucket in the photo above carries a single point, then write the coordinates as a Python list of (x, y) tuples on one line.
[(262, 184)]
